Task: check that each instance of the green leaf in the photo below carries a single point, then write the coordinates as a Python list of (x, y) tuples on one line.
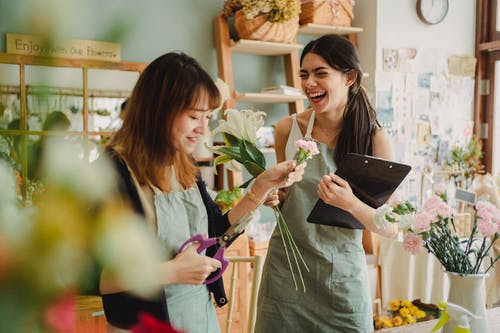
[(245, 184), (230, 140), (251, 153), (222, 159), (233, 152), (253, 168)]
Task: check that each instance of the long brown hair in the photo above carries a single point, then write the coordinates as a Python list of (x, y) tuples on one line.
[(168, 86), (360, 118)]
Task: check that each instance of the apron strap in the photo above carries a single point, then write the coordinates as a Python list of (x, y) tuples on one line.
[(310, 126)]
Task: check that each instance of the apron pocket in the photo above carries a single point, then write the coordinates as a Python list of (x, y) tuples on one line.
[(348, 265)]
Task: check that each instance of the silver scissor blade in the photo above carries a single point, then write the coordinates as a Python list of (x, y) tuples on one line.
[(236, 228)]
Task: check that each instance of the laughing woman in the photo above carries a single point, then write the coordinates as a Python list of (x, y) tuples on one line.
[(341, 121)]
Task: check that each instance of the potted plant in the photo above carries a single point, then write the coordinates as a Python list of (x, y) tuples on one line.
[(266, 20)]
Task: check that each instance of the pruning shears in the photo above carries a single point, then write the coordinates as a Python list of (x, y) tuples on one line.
[(221, 243)]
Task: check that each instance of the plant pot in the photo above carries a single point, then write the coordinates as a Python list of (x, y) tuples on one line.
[(468, 291), (259, 28)]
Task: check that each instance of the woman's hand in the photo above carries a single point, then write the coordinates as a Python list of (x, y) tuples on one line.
[(188, 267), (282, 174), (335, 191)]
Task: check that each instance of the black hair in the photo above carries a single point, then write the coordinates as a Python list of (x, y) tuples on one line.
[(360, 118)]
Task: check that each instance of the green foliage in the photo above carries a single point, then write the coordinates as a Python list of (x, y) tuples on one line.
[(276, 10), (465, 162)]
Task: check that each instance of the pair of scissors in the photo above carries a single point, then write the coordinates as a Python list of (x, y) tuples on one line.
[(221, 242)]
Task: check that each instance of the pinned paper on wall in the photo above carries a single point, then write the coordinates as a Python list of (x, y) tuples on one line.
[(423, 134), (462, 65), (385, 111), (424, 80), (420, 102), (404, 127), (406, 60), (390, 58)]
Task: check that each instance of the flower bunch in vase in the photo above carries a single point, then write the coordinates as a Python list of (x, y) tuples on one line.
[(466, 260), (239, 132), (433, 227)]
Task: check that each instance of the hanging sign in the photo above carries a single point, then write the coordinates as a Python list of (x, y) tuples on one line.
[(71, 48)]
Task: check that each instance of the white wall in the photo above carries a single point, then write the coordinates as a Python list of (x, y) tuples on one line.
[(395, 24)]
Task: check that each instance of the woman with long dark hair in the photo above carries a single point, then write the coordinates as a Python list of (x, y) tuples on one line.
[(341, 120)]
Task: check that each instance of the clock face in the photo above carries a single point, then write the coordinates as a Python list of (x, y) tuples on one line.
[(432, 11)]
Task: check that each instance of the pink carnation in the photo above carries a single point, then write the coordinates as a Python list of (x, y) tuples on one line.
[(486, 210), (412, 243), (422, 222), (444, 210), (432, 206), (487, 226), (308, 146), (440, 188)]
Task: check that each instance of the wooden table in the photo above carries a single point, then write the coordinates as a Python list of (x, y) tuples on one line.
[(426, 326)]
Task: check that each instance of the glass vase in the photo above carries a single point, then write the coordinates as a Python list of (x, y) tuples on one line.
[(469, 292)]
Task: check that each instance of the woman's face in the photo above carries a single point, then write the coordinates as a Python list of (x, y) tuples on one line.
[(326, 88), (190, 125)]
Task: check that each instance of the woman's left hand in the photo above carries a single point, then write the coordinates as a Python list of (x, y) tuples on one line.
[(335, 191)]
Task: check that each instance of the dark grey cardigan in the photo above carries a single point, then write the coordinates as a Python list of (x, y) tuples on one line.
[(121, 309)]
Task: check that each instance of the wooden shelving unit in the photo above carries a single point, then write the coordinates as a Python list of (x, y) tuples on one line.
[(255, 47), (267, 98), (319, 29), (23, 91)]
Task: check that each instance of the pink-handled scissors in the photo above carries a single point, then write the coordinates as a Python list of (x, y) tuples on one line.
[(221, 243)]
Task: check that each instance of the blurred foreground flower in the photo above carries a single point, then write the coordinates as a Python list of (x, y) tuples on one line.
[(61, 244), (239, 132), (149, 324)]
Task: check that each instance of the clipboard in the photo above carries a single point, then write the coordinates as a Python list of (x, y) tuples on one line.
[(372, 180)]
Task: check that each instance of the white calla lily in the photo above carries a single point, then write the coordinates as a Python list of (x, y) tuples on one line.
[(242, 124)]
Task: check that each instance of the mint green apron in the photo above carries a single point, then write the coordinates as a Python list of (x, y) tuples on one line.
[(337, 297), (179, 216)]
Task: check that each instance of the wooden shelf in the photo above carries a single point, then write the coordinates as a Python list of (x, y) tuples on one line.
[(267, 98), (319, 29), (256, 47)]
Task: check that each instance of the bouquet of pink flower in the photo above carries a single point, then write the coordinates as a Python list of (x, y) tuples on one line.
[(238, 131), (433, 227)]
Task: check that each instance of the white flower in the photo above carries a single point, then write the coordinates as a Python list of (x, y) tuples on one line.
[(406, 222), (63, 168), (8, 192), (380, 220), (241, 124), (130, 252), (224, 92)]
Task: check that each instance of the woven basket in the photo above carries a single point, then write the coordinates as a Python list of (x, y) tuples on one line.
[(259, 28), (327, 12)]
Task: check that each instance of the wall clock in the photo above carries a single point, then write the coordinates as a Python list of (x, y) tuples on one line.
[(432, 11)]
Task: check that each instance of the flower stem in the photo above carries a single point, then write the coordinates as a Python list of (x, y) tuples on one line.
[(286, 250)]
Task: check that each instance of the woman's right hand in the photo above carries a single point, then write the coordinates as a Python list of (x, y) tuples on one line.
[(188, 267)]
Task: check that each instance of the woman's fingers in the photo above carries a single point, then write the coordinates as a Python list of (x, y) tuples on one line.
[(338, 180), (272, 199)]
